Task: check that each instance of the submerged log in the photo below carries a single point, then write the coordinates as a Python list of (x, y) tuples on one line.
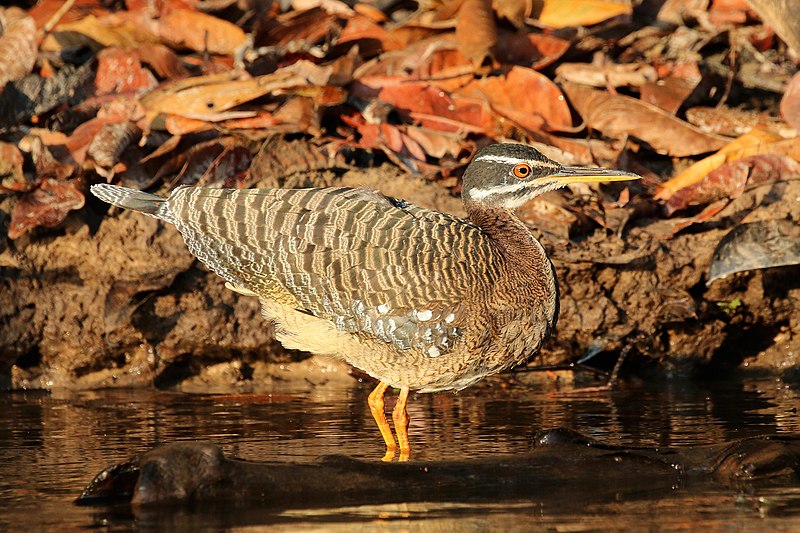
[(559, 463)]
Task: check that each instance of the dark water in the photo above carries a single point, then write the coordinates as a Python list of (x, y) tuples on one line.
[(51, 445)]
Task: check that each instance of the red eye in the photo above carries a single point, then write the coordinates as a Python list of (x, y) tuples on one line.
[(522, 170)]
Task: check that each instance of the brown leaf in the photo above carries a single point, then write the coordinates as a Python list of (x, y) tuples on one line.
[(535, 50), (509, 96), (668, 93), (515, 11), (162, 60), (756, 141), (109, 143), (790, 103), (93, 32), (565, 13), (120, 71), (476, 31), (200, 32), (371, 37), (731, 179), (430, 106), (617, 115), (204, 95), (607, 75), (11, 175), (17, 44), (47, 206)]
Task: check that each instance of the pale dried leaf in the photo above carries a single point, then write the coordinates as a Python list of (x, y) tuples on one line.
[(476, 31), (515, 11), (566, 13), (201, 32), (17, 44), (47, 206), (790, 103), (617, 115)]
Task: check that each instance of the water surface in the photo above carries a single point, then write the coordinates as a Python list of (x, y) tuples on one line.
[(51, 445)]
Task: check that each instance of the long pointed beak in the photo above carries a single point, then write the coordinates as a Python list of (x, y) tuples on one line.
[(589, 175)]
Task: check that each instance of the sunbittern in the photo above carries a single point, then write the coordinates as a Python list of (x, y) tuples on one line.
[(418, 299)]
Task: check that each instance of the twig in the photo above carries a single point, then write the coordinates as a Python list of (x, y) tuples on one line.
[(50, 24)]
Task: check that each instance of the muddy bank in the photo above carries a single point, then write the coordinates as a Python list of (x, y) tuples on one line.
[(114, 299)]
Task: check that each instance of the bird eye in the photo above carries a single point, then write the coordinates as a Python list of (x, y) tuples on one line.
[(522, 170)]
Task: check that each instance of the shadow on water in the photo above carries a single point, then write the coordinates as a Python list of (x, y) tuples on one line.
[(51, 445)]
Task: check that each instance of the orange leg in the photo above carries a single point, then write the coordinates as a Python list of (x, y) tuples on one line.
[(376, 406), (400, 417)]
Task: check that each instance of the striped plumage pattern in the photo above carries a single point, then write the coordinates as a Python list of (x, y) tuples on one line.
[(370, 264)]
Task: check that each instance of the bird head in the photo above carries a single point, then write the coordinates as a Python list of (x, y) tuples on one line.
[(509, 175)]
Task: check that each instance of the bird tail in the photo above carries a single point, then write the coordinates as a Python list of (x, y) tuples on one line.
[(144, 202)]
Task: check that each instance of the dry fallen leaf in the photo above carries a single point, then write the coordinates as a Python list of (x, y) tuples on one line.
[(205, 95), (11, 175), (515, 11), (46, 206), (17, 44), (790, 103), (431, 106), (509, 96), (476, 31), (120, 71), (535, 50), (200, 32), (607, 75), (617, 115), (94, 32), (732, 179), (756, 141), (565, 13)]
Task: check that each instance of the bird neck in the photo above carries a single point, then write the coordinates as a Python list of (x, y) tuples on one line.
[(525, 290), (507, 231)]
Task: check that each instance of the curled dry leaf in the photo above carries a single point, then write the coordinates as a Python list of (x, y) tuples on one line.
[(476, 31), (611, 74), (46, 206), (565, 13), (111, 141), (93, 32), (756, 141), (510, 96), (203, 95), (162, 60), (732, 179), (430, 106), (200, 32), (790, 103), (617, 115), (17, 44), (515, 11), (668, 93)]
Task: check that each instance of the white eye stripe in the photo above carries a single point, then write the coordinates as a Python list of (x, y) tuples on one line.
[(507, 160), (480, 194)]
